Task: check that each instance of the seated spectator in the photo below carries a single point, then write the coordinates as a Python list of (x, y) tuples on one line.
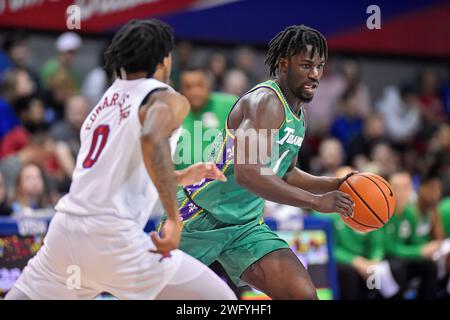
[(235, 83), (31, 112), (401, 113), (431, 102), (15, 45), (31, 192), (182, 58), (60, 89), (438, 156), (68, 131), (352, 75), (331, 157), (245, 60), (414, 234), (385, 161), (5, 208), (16, 83), (39, 150), (362, 144), (217, 65), (67, 45), (348, 123)]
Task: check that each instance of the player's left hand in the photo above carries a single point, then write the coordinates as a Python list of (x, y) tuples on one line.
[(169, 239), (198, 172)]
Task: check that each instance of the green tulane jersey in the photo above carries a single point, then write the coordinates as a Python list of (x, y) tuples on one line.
[(227, 201)]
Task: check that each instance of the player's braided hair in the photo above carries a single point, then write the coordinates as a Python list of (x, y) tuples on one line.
[(140, 45), (291, 41)]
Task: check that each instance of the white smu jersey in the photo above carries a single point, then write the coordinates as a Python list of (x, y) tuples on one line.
[(110, 177)]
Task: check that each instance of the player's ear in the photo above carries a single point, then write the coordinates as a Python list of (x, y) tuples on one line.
[(283, 64), (167, 66), (168, 61)]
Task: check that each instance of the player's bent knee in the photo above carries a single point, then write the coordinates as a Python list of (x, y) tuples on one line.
[(307, 294), (298, 290)]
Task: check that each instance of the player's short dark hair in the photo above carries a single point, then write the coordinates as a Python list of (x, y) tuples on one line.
[(140, 45), (291, 41)]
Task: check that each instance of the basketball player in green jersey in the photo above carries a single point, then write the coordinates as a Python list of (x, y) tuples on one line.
[(223, 220)]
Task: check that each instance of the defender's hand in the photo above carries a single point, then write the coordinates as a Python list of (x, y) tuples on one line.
[(335, 201), (170, 237), (198, 172)]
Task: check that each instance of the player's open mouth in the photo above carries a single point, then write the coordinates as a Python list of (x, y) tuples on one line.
[(310, 87)]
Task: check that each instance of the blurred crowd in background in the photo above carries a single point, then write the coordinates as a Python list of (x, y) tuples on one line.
[(402, 135)]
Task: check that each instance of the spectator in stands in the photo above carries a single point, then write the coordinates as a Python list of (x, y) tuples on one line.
[(96, 81), (31, 112), (400, 110), (331, 157), (184, 54), (414, 234), (246, 61), (16, 83), (438, 156), (235, 82), (68, 130), (15, 45), (217, 65), (431, 102), (61, 88), (208, 114), (361, 145), (67, 45), (352, 74), (385, 161), (5, 208), (348, 123), (58, 76), (39, 150), (31, 191)]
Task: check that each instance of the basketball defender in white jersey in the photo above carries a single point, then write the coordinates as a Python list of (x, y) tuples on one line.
[(95, 242)]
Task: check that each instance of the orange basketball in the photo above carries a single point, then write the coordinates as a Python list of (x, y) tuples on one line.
[(374, 201)]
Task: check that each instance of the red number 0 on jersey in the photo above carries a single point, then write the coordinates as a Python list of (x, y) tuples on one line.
[(101, 131)]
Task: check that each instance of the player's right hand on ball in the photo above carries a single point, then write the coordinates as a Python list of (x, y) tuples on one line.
[(336, 201), (170, 237)]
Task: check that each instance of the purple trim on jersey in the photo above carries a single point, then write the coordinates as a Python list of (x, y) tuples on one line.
[(226, 156), (189, 210)]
